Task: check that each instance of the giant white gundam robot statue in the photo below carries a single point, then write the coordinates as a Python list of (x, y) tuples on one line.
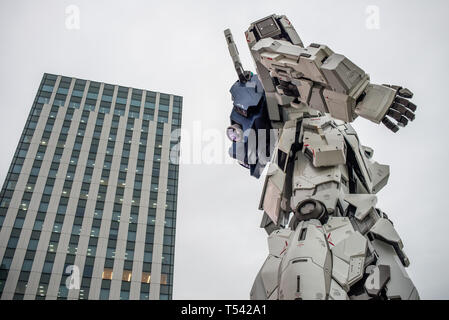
[(327, 239)]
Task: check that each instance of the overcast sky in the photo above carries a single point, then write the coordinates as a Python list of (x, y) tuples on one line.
[(178, 47)]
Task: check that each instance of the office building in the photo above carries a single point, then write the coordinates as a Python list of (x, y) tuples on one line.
[(88, 206)]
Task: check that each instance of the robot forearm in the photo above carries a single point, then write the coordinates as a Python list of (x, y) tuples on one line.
[(331, 83)]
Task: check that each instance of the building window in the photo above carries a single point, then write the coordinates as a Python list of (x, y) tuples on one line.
[(104, 294), (127, 275), (163, 278), (145, 291), (107, 274), (146, 277)]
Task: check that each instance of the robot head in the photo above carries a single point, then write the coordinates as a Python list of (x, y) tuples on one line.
[(273, 26)]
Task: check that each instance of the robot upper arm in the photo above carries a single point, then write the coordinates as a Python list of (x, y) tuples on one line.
[(325, 81), (315, 75)]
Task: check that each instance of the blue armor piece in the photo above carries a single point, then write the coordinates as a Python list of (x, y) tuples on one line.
[(250, 113)]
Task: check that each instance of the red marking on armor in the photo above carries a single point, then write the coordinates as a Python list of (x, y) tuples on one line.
[(306, 145), (319, 226), (313, 151), (269, 59), (285, 248), (328, 239), (246, 35)]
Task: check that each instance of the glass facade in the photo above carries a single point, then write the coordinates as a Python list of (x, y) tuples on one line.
[(88, 207)]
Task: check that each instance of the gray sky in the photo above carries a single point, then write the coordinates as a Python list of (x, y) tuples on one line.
[(178, 47)]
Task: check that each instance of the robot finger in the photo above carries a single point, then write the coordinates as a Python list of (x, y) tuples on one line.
[(410, 115), (403, 121), (399, 107), (396, 115), (405, 103), (403, 92), (390, 125), (403, 110), (406, 93), (411, 106)]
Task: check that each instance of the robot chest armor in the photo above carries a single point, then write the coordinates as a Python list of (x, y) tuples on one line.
[(323, 142), (329, 144), (321, 164)]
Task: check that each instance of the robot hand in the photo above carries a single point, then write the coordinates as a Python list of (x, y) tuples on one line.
[(401, 110)]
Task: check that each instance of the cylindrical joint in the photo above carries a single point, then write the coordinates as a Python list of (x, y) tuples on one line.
[(235, 133), (306, 210)]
